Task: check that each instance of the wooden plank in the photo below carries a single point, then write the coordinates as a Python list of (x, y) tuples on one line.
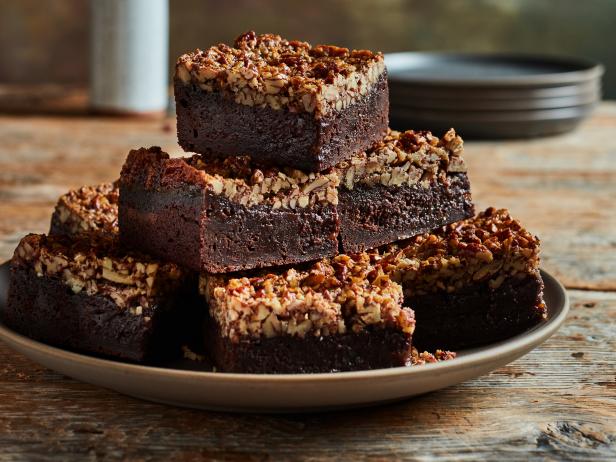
[(558, 402), (43, 99), (564, 190)]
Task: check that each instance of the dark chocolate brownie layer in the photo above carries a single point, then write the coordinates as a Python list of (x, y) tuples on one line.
[(371, 216), (370, 349), (162, 223), (215, 125), (46, 309), (222, 236), (235, 237), (477, 314), (226, 215)]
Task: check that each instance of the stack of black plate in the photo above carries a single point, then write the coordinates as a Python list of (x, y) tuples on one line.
[(491, 96)]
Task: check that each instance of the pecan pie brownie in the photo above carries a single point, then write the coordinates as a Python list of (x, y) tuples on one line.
[(470, 283), (282, 102), (86, 294), (336, 315), (225, 214)]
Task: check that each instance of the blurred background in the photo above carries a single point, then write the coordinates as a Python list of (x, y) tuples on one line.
[(49, 42)]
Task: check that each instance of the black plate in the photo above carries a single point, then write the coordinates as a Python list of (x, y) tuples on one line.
[(412, 90), (487, 116), (399, 101), (492, 125), (489, 70)]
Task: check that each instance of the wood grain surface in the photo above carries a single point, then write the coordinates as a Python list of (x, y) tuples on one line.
[(557, 403)]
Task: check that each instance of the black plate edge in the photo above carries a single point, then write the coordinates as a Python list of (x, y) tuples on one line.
[(587, 70)]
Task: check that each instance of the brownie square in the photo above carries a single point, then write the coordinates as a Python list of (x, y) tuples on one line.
[(336, 315), (407, 184), (87, 294), (282, 102), (226, 214), (87, 210), (470, 283)]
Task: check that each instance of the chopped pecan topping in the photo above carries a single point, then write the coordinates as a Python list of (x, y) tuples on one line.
[(267, 70), (400, 159), (240, 181), (418, 359), (489, 247), (96, 265), (236, 178), (407, 158), (89, 209), (330, 297)]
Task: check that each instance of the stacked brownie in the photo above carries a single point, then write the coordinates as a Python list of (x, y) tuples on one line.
[(406, 184), (472, 282), (226, 215), (283, 102), (321, 239), (85, 293), (334, 315)]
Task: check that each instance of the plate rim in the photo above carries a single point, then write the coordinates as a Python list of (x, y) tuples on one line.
[(490, 116), (476, 105), (504, 347), (590, 70), (412, 89)]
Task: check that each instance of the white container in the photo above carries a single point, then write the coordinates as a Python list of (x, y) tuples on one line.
[(129, 71)]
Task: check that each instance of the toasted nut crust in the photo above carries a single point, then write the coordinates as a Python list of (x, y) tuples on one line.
[(407, 158), (267, 70), (401, 159), (489, 247), (89, 209), (97, 266), (344, 294), (236, 178)]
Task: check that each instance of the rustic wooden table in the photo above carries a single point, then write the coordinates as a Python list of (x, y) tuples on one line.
[(558, 402)]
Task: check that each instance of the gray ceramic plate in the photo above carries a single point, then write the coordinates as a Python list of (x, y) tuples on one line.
[(400, 101), (491, 124), (293, 392), (412, 90), (489, 70), (458, 116), (491, 95)]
